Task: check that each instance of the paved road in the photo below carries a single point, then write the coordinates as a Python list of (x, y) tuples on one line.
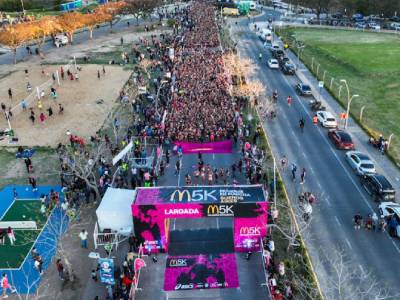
[(79, 38), (338, 190)]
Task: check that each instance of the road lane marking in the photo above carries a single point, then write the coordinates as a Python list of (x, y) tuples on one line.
[(337, 221), (348, 243)]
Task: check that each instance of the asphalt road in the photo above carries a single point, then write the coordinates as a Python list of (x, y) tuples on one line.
[(373, 255), (79, 38)]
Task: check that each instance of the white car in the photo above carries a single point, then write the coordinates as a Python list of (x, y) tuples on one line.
[(326, 119), (275, 47), (60, 40), (374, 26), (360, 162), (392, 209), (273, 64)]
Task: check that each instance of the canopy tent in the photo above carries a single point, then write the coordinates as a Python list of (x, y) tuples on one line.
[(114, 211)]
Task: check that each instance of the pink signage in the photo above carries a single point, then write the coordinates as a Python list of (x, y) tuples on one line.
[(211, 147), (249, 232)]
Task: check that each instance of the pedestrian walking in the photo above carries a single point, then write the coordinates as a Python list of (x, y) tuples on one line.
[(11, 235), (39, 264), (5, 285), (50, 111), (98, 74), (10, 94), (23, 104), (293, 170), (284, 162), (177, 167), (289, 100), (302, 175), (357, 221), (42, 117), (122, 40), (28, 164), (83, 235), (104, 71), (375, 221), (60, 109), (32, 182), (60, 269)]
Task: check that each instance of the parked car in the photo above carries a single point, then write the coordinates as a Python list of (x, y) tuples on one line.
[(326, 119), (60, 40), (273, 63), (283, 59), (341, 139), (391, 210), (275, 47), (303, 89), (288, 68), (361, 25), (378, 187), (360, 162), (374, 26)]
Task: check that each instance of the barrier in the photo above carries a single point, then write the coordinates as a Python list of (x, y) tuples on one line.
[(19, 224), (102, 239), (135, 282)]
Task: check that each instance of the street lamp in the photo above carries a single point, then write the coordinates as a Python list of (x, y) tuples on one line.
[(299, 50), (349, 99)]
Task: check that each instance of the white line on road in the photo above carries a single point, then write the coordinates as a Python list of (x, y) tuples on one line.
[(337, 221), (348, 243), (217, 223)]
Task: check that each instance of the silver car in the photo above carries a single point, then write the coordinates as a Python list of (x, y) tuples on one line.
[(360, 162)]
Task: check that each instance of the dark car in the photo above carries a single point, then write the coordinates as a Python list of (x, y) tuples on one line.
[(278, 53), (288, 68), (283, 59), (303, 89), (341, 139), (378, 187)]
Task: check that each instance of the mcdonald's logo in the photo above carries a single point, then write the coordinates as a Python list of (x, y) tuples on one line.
[(178, 262), (213, 210), (220, 210), (180, 196)]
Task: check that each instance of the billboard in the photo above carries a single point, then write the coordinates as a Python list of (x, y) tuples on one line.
[(200, 194), (189, 272)]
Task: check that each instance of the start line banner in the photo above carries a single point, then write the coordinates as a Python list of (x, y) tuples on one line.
[(211, 147)]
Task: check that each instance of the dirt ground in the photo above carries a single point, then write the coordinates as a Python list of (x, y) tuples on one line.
[(82, 115)]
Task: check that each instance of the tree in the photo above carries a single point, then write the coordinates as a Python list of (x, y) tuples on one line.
[(70, 22), (14, 36), (140, 8), (91, 20), (112, 9), (45, 27)]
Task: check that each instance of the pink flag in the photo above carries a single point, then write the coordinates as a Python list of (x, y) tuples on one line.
[(139, 263)]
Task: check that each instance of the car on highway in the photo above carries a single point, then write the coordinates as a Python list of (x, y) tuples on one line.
[(341, 139), (288, 68), (392, 210), (303, 89), (273, 63), (274, 47), (326, 119), (378, 187), (360, 162), (278, 53)]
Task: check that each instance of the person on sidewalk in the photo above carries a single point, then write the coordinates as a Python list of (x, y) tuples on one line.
[(60, 269), (293, 170), (6, 285), (83, 235)]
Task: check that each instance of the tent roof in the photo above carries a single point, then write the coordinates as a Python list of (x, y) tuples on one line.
[(117, 199)]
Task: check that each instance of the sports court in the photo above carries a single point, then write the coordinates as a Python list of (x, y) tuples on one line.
[(32, 228)]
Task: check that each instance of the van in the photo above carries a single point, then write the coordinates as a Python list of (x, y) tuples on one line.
[(395, 26), (264, 34), (227, 11)]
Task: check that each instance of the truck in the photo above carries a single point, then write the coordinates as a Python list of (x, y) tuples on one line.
[(228, 11)]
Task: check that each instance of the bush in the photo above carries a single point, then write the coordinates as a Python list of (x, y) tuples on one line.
[(15, 5)]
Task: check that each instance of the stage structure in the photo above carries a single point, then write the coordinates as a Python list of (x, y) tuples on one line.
[(154, 207)]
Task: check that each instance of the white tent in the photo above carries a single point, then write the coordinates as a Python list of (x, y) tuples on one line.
[(114, 211)]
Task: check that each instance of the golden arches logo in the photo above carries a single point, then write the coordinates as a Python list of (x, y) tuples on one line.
[(213, 210), (180, 195)]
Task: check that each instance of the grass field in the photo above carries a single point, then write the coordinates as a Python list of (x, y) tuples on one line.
[(13, 256), (370, 62)]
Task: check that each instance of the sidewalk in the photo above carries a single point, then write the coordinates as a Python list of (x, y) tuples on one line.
[(360, 138)]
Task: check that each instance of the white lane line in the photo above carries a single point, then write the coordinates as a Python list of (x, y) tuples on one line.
[(217, 223), (348, 243), (337, 221)]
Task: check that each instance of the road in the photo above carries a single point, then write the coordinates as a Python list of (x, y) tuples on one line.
[(338, 190)]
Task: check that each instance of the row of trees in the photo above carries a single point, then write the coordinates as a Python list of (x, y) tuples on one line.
[(386, 8), (17, 35)]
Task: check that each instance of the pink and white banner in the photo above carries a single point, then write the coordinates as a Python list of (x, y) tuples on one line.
[(211, 147)]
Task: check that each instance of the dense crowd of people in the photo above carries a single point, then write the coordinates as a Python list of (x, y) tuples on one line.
[(202, 108)]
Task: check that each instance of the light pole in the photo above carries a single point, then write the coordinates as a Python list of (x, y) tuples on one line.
[(23, 9), (299, 50), (348, 110)]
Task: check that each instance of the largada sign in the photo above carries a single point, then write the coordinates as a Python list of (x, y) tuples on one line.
[(153, 207)]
